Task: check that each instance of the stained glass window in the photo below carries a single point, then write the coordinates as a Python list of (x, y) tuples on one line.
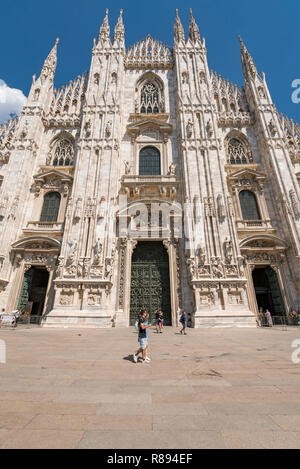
[(50, 207), (249, 206), (149, 162)]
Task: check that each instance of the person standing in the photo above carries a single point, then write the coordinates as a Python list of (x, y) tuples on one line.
[(157, 320), (183, 322), (269, 318), (161, 321), (143, 338)]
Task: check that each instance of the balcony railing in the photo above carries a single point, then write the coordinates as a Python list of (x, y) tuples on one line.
[(254, 225), (44, 226), (137, 179)]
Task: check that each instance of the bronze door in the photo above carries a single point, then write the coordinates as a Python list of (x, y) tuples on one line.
[(150, 281)]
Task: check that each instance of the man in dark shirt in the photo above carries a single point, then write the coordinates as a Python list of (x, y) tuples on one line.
[(183, 322), (143, 338)]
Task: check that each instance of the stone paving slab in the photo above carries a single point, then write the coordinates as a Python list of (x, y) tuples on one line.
[(261, 440), (214, 388), (153, 440)]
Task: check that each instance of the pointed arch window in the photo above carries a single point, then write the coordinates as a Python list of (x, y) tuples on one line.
[(149, 162), (249, 206), (50, 207), (149, 103), (238, 153), (63, 153)]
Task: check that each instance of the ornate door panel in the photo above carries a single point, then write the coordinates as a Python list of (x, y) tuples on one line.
[(150, 281), (275, 292), (25, 290)]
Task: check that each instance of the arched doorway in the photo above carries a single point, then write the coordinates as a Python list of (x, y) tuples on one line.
[(34, 289), (150, 281), (267, 291)]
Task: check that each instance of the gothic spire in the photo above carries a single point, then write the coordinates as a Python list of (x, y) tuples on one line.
[(194, 34), (178, 29), (247, 61), (119, 29), (49, 66), (104, 32)]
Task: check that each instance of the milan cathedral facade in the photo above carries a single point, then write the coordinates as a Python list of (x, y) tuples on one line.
[(149, 182)]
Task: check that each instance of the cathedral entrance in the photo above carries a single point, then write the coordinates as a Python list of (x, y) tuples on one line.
[(34, 290), (150, 281), (267, 290)]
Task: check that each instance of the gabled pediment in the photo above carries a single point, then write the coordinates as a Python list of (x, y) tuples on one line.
[(52, 174), (155, 123), (245, 173), (263, 241), (36, 243)]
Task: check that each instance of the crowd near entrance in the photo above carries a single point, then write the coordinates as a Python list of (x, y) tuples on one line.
[(267, 291), (33, 291), (150, 281)]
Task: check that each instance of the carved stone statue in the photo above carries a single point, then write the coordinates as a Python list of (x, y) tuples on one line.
[(228, 250), (217, 267), (108, 129), (272, 128), (127, 167), (59, 269), (172, 169), (202, 255), (209, 128), (73, 250), (294, 203), (87, 129), (97, 249), (108, 267), (192, 267), (189, 128), (78, 208)]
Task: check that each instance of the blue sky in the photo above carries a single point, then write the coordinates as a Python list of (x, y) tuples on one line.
[(270, 30)]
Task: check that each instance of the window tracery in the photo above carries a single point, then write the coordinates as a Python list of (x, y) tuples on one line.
[(238, 153), (149, 99), (63, 153)]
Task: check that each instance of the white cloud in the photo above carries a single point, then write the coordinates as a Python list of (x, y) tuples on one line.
[(12, 101)]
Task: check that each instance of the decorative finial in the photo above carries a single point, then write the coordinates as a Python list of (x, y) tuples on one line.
[(178, 29), (119, 29), (105, 29), (194, 34), (247, 60)]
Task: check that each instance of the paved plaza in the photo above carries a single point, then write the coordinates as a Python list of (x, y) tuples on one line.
[(214, 388)]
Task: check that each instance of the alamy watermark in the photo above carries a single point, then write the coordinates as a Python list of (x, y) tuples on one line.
[(2, 351), (157, 219), (296, 94), (296, 353)]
